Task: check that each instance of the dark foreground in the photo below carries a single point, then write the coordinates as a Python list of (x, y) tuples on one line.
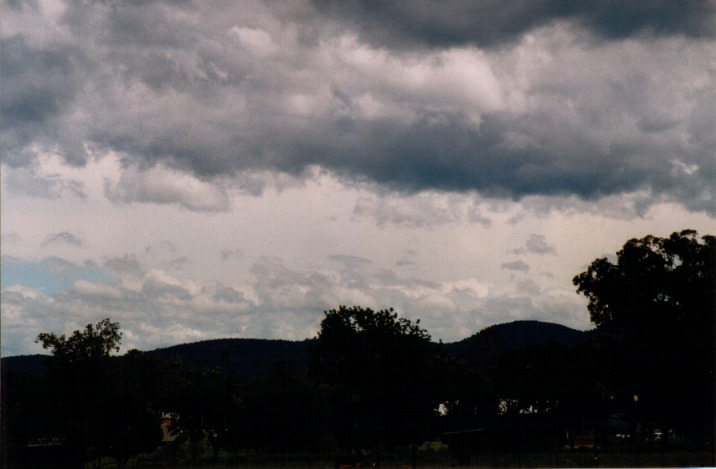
[(434, 455)]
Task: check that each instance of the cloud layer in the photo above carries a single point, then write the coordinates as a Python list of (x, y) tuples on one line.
[(545, 97)]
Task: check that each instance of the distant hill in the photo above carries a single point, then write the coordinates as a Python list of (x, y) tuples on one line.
[(25, 364), (516, 336), (242, 358), (246, 359)]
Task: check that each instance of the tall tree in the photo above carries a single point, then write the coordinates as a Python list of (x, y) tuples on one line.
[(378, 365), (659, 301)]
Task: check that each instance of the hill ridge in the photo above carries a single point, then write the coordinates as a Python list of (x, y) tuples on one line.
[(248, 358)]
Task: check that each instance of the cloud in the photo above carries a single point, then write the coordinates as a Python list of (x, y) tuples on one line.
[(25, 181), (39, 87), (278, 301), (64, 238), (421, 210), (161, 185), (519, 266), (11, 238), (256, 40), (460, 97), (492, 23), (536, 244), (236, 170)]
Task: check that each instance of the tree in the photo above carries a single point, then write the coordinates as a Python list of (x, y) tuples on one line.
[(96, 342), (667, 280), (79, 369), (659, 302), (97, 400), (378, 366), (283, 410)]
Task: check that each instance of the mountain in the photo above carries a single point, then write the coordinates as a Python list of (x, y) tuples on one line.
[(246, 359)]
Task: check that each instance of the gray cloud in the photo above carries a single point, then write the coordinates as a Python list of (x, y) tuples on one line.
[(64, 237), (536, 244), (162, 186), (38, 91), (25, 182), (540, 109), (519, 266), (11, 238), (490, 23), (428, 209)]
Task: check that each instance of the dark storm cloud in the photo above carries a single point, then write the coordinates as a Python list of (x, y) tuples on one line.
[(38, 85), (489, 23), (251, 87)]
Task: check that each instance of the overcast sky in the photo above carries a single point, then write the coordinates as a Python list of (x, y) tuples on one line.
[(198, 170)]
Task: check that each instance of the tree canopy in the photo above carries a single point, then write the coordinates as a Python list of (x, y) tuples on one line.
[(657, 302), (94, 342), (98, 400), (378, 365), (663, 280)]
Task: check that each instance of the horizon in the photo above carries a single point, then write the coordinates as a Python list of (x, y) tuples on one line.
[(316, 338)]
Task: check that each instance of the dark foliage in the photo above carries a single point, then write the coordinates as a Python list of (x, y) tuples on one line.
[(657, 306), (378, 367), (242, 359), (87, 400)]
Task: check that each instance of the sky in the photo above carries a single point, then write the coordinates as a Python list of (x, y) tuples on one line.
[(197, 170)]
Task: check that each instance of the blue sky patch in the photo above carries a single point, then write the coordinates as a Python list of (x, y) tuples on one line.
[(52, 276)]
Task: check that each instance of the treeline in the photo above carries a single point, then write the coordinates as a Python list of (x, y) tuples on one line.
[(376, 381)]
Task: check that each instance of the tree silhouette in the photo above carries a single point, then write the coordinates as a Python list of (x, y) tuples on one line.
[(79, 368), (658, 301), (283, 410), (378, 366), (95, 343), (96, 399)]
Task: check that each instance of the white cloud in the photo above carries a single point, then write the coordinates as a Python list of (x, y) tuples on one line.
[(256, 40), (163, 185)]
